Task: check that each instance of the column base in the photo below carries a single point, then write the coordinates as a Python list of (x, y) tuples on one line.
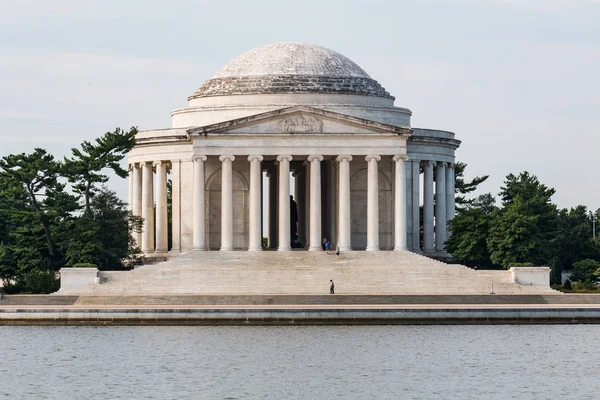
[(174, 252), (226, 249), (284, 249), (315, 248), (373, 249), (255, 249), (400, 249), (199, 248), (344, 248), (160, 252)]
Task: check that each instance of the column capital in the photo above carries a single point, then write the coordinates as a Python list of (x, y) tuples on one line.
[(253, 157), (224, 157), (313, 157), (160, 163), (175, 161), (199, 158), (399, 157), (373, 157), (284, 157), (344, 157), (429, 162)]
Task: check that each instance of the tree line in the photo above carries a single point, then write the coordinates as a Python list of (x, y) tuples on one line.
[(58, 213), (525, 228)]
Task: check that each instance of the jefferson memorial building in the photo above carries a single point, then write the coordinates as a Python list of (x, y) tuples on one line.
[(283, 113)]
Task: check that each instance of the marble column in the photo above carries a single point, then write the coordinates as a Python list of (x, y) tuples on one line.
[(255, 217), (162, 225), (300, 186), (130, 169), (345, 233), (400, 203), (315, 201), (284, 203), (148, 208), (226, 202), (273, 184), (416, 205), (440, 206), (175, 206), (428, 206), (199, 227), (372, 203), (449, 195), (306, 168), (137, 198)]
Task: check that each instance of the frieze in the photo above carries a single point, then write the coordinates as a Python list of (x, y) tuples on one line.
[(301, 123)]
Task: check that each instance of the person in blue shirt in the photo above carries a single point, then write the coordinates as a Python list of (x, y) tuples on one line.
[(328, 246)]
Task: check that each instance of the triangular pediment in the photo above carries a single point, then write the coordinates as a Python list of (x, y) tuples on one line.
[(299, 120)]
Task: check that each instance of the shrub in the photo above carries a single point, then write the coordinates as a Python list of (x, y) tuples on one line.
[(84, 265), (584, 270), (568, 285), (584, 287), (36, 281), (522, 264)]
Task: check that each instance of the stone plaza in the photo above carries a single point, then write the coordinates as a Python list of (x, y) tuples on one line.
[(283, 113)]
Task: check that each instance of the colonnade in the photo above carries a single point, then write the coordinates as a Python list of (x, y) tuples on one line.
[(142, 203), (435, 217), (438, 205)]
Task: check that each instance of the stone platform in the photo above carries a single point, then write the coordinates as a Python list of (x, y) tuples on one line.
[(304, 273)]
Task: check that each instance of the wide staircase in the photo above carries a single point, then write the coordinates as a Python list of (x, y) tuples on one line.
[(304, 272)]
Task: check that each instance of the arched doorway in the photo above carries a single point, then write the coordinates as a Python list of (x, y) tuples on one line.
[(240, 211), (358, 205)]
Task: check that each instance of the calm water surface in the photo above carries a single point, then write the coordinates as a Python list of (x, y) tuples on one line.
[(343, 362)]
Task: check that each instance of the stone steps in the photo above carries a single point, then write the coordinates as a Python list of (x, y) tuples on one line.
[(307, 273)]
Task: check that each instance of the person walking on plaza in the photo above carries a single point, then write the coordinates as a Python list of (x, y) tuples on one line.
[(337, 252), (331, 287), (328, 246)]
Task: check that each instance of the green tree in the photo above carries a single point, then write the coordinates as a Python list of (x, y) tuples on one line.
[(85, 169), (462, 187), (470, 230), (585, 270), (38, 174), (105, 236), (555, 271), (525, 228)]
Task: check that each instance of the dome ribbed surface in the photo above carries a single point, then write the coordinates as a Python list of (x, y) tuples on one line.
[(291, 59), (291, 68)]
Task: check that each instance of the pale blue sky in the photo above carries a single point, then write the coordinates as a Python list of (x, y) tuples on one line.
[(516, 80)]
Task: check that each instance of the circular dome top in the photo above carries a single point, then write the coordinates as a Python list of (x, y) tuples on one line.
[(291, 59), (291, 68)]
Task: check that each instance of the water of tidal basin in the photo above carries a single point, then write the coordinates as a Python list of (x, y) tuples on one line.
[(312, 362)]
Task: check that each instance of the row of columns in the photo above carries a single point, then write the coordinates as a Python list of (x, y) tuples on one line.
[(435, 230), (142, 203)]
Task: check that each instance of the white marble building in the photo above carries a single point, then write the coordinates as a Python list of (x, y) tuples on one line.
[(361, 171)]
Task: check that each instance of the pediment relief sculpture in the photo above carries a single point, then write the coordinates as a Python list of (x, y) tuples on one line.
[(301, 123)]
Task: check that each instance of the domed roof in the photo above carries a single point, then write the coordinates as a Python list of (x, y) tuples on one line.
[(291, 59), (291, 68)]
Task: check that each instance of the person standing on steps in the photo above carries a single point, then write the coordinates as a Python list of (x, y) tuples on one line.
[(328, 246), (331, 287), (323, 243), (337, 252)]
